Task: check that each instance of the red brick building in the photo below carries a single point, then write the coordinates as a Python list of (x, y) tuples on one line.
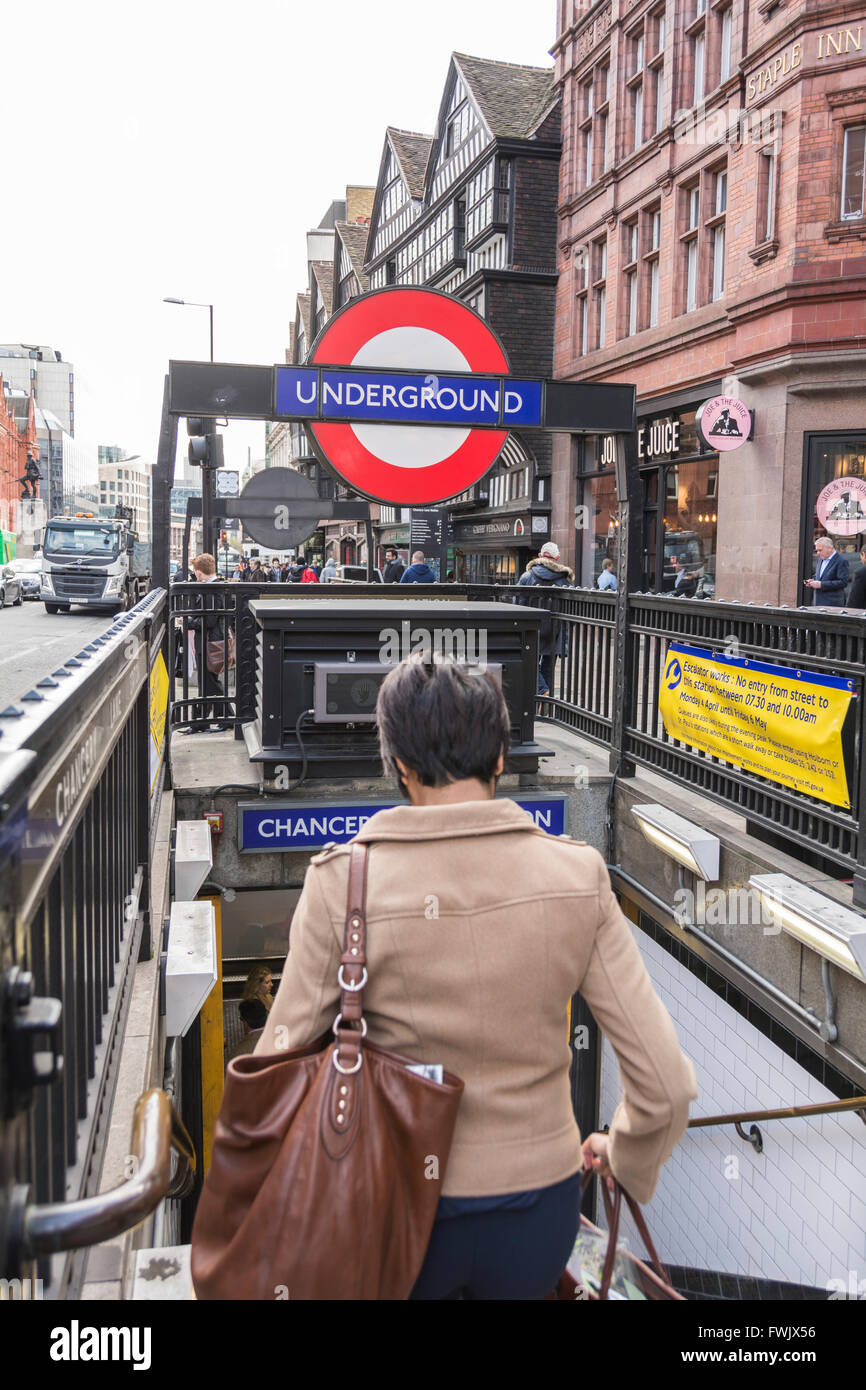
[(712, 239), (17, 439)]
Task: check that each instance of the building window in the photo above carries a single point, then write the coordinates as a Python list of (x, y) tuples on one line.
[(630, 266), (717, 232), (458, 128), (600, 291), (652, 241), (636, 85), (656, 32), (853, 178), (726, 56), (659, 97), (690, 239), (581, 279), (699, 53), (605, 143), (587, 111), (766, 196)]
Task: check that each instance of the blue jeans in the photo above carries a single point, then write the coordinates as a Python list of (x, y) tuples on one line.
[(508, 1253)]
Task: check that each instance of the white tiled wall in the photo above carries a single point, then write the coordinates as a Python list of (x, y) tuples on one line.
[(796, 1212)]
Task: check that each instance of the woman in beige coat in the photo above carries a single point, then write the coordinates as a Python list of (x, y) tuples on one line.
[(480, 928)]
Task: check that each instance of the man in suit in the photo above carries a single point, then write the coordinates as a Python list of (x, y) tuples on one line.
[(831, 575)]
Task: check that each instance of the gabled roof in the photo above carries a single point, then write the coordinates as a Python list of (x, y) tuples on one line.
[(354, 235), (304, 311), (324, 274), (411, 151), (510, 98)]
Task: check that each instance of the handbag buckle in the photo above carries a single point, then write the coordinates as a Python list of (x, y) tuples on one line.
[(352, 988)]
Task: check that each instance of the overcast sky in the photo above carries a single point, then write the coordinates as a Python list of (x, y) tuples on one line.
[(184, 148)]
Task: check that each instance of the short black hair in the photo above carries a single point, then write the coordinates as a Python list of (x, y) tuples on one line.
[(253, 1013), (445, 720)]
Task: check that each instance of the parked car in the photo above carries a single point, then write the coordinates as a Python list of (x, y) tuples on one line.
[(11, 591), (29, 571)]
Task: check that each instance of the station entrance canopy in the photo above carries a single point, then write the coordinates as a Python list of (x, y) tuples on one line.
[(407, 396)]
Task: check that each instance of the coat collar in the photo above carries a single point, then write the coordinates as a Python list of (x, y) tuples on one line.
[(447, 822)]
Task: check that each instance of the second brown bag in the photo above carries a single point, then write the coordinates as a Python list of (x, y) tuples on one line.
[(321, 1183)]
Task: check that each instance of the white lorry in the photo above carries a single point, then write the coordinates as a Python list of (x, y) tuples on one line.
[(93, 561)]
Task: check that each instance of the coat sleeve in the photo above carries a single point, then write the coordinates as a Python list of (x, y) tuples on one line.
[(658, 1079), (308, 997), (840, 576)]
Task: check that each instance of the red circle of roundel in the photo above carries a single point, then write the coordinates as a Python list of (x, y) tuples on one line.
[(343, 338)]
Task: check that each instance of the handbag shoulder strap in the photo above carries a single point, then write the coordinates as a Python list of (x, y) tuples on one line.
[(352, 975)]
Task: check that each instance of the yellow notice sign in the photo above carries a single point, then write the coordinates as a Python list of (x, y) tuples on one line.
[(775, 721), (158, 708)]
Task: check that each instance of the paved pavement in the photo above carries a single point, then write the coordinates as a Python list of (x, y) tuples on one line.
[(33, 643)]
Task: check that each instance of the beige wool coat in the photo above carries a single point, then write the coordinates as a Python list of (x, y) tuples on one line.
[(480, 928)]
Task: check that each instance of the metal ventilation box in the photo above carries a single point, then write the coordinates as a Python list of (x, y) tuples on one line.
[(321, 663)]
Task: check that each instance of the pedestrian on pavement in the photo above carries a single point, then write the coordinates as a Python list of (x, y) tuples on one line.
[(210, 628), (309, 576), (297, 572), (258, 575), (285, 571), (607, 578), (274, 575), (485, 993), (419, 572), (394, 567), (831, 575), (546, 571), (329, 571)]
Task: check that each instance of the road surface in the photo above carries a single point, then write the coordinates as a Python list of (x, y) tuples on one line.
[(33, 643)]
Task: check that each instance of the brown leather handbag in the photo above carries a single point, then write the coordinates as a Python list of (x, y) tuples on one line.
[(327, 1161)]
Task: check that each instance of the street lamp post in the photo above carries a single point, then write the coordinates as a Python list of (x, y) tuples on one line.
[(194, 304), (207, 474)]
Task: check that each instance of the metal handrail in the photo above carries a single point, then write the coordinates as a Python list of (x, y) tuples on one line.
[(157, 1129), (790, 1113)]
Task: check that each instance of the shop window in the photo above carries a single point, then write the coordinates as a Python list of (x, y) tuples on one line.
[(831, 458), (599, 539)]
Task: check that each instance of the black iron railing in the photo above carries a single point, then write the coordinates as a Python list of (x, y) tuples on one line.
[(79, 781), (584, 694)]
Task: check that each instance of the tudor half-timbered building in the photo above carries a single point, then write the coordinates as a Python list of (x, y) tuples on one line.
[(471, 210)]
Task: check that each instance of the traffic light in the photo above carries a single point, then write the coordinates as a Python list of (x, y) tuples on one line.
[(224, 538), (205, 445)]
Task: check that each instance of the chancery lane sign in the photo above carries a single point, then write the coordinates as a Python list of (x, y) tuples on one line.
[(280, 826), (406, 396)]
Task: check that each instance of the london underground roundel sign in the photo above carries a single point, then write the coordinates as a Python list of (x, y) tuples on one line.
[(436, 341)]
